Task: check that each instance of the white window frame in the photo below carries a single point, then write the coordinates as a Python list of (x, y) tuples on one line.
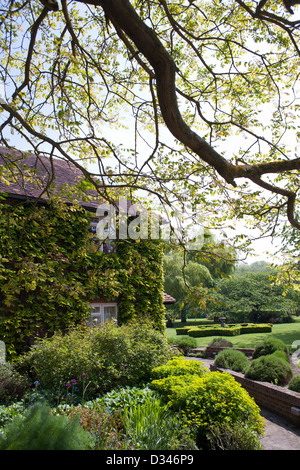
[(100, 315)]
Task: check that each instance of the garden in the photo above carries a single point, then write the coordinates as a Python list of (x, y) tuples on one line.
[(121, 388), (275, 347)]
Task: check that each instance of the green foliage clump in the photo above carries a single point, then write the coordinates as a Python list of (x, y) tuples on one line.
[(122, 398), (150, 425), (105, 427), (12, 384), (179, 366), (294, 384), (50, 270), (197, 332), (233, 437), (109, 357), (38, 429), (207, 400), (221, 342), (268, 346), (184, 344), (281, 354), (9, 412), (270, 369), (232, 359)]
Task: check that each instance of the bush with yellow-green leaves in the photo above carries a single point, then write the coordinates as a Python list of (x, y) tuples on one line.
[(206, 398)]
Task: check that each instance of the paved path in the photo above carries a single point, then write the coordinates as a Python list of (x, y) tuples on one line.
[(280, 434)]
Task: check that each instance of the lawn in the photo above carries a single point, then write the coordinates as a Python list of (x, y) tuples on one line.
[(287, 332)]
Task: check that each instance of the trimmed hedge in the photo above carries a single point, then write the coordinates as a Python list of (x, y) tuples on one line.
[(269, 346), (270, 369), (200, 332), (232, 359), (230, 330)]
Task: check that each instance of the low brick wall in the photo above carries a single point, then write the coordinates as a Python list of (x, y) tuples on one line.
[(279, 400), (213, 350)]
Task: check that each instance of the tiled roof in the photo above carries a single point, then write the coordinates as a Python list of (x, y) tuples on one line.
[(43, 171)]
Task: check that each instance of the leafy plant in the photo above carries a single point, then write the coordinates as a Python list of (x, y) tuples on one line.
[(211, 399), (121, 398), (179, 366), (233, 437), (150, 425), (221, 342), (271, 369), (106, 428), (12, 384), (185, 344), (109, 357), (294, 384), (38, 429), (268, 346), (232, 359)]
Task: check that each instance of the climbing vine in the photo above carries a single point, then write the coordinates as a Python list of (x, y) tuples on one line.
[(48, 273)]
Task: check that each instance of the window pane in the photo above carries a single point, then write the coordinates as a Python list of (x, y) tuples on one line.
[(110, 312), (95, 309)]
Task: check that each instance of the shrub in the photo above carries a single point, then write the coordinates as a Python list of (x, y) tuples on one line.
[(209, 400), (105, 427), (221, 342), (38, 429), (294, 384), (268, 346), (234, 437), (108, 357), (179, 366), (183, 330), (185, 344), (270, 369), (211, 331), (232, 359), (130, 353), (256, 328), (12, 384), (281, 355)]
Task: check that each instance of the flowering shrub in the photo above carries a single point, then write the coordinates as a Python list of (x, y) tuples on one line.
[(209, 399), (179, 366), (218, 398), (106, 428)]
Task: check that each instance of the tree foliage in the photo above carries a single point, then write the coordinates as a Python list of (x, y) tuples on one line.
[(208, 89)]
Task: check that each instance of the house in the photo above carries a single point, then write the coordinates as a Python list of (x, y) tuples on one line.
[(26, 178)]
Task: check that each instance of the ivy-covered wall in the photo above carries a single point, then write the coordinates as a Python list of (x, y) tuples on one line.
[(48, 273)]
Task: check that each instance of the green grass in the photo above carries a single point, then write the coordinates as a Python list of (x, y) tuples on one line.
[(287, 332)]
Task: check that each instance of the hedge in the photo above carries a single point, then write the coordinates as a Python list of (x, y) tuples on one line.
[(198, 333), (230, 330)]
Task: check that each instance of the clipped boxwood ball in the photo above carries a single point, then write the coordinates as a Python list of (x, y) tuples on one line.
[(270, 369)]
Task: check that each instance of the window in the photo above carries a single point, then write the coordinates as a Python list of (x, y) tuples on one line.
[(100, 312)]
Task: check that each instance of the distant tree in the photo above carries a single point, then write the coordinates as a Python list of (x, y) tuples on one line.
[(181, 278), (248, 296)]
